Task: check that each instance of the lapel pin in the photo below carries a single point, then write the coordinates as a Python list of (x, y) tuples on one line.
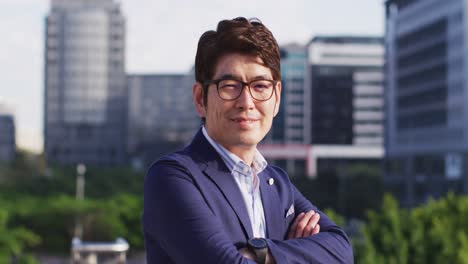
[(271, 181)]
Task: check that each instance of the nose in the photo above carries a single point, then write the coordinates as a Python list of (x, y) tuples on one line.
[(245, 100)]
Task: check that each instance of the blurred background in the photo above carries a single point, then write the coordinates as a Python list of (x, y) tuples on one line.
[(373, 125)]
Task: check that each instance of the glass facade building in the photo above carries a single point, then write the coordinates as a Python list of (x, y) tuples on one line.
[(85, 89), (346, 90), (161, 114), (426, 139), (332, 109), (346, 100), (290, 125)]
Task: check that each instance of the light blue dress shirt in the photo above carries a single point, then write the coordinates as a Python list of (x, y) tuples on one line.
[(247, 179)]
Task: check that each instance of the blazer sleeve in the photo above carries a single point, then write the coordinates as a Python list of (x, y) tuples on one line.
[(178, 221), (330, 245)]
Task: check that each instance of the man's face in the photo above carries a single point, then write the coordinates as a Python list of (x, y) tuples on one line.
[(242, 122)]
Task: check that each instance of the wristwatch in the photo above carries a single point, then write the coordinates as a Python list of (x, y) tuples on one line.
[(259, 247)]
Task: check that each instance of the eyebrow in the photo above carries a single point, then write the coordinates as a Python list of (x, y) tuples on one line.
[(236, 77), (230, 76)]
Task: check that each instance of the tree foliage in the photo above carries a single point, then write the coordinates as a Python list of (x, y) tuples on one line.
[(53, 219), (436, 232), (14, 241)]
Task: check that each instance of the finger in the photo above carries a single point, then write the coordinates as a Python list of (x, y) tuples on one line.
[(299, 218), (316, 229), (307, 230), (312, 224), (313, 221), (303, 223), (292, 229)]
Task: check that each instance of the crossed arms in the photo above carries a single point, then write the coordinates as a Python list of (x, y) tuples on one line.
[(305, 225), (180, 226)]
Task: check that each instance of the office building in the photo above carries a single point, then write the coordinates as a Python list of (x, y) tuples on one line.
[(85, 89), (426, 142), (346, 90), (335, 115), (7, 134), (290, 126), (162, 116), (346, 81)]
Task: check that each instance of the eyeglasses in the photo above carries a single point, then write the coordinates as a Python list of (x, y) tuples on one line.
[(230, 89)]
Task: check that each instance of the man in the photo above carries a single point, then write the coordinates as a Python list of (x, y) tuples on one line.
[(217, 200)]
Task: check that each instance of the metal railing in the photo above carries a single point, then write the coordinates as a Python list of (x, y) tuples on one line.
[(108, 252)]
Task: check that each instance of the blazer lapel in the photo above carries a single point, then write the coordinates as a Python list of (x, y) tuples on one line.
[(214, 167), (228, 186), (273, 215)]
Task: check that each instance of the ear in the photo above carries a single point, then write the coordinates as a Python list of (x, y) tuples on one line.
[(197, 94), (278, 98)]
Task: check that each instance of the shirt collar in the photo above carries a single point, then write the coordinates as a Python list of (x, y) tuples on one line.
[(232, 160)]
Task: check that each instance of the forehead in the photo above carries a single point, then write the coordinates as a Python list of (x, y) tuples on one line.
[(242, 66)]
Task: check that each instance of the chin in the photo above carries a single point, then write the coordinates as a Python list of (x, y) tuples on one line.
[(249, 138)]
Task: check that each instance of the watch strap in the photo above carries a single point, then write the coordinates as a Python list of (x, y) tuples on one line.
[(260, 255), (259, 247)]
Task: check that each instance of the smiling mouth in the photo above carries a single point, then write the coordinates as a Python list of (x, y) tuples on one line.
[(241, 120)]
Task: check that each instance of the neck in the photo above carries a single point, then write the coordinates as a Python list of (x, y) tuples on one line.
[(246, 154)]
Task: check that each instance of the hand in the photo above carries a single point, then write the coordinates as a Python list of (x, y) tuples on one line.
[(247, 253), (305, 224)]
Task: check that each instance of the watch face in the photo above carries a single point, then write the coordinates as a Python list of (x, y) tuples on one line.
[(258, 243)]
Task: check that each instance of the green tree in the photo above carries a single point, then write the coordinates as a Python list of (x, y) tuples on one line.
[(441, 231), (15, 241), (338, 219), (436, 232), (385, 235), (53, 219), (128, 209)]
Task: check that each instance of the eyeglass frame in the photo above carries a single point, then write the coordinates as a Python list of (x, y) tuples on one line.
[(244, 84)]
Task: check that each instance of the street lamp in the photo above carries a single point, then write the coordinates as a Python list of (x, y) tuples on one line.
[(80, 186)]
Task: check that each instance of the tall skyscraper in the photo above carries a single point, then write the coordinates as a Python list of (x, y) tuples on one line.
[(426, 139), (85, 89)]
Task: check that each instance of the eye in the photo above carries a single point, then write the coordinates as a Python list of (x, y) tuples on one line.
[(229, 84), (261, 85)]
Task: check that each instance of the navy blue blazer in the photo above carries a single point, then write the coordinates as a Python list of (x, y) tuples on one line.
[(194, 212)]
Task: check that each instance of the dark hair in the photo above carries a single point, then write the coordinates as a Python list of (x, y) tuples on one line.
[(238, 35)]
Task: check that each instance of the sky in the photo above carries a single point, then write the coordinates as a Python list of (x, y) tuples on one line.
[(161, 38)]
